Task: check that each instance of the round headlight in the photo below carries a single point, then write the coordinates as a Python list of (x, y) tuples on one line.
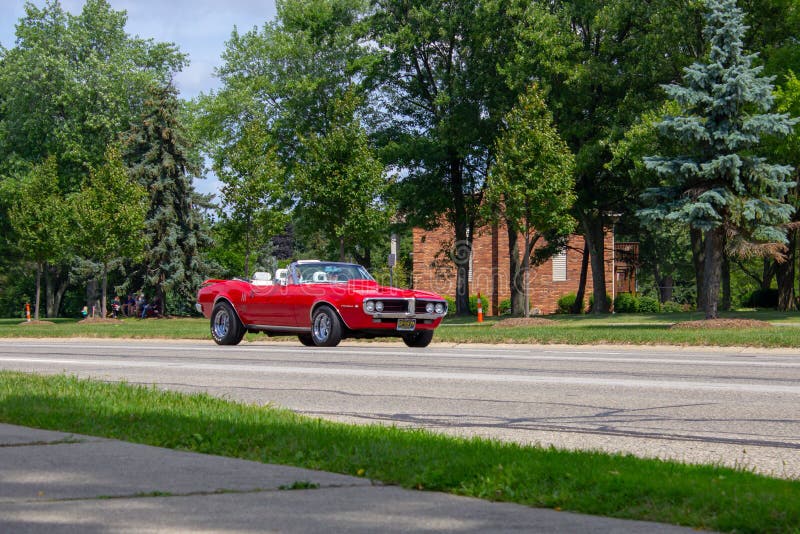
[(429, 307), (369, 306), (439, 307), (379, 306)]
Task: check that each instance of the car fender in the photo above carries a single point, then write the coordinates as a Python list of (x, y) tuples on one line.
[(335, 308), (225, 298)]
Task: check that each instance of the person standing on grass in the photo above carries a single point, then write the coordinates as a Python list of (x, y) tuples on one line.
[(116, 306)]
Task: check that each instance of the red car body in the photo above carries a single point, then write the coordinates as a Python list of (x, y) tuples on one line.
[(321, 303)]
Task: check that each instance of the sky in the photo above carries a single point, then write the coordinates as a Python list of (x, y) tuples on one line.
[(199, 28)]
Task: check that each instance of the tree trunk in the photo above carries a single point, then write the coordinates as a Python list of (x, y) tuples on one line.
[(49, 291), (104, 291), (341, 249), (595, 238), (713, 270), (91, 295), (514, 273), (62, 288), (785, 273), (577, 307), (726, 282), (698, 260), (666, 286), (768, 273), (462, 252), (39, 269)]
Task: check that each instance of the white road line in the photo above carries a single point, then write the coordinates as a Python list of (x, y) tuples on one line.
[(504, 355), (371, 373)]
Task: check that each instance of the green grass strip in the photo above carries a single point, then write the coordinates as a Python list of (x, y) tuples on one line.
[(706, 497), (626, 329)]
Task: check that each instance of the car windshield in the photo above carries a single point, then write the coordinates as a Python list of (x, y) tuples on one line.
[(329, 273)]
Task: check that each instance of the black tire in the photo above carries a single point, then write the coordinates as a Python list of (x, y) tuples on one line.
[(226, 329), (306, 340), (419, 338), (326, 329)]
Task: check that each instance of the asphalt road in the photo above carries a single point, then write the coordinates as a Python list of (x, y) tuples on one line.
[(734, 407)]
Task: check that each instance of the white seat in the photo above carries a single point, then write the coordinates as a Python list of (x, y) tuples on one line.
[(281, 275), (261, 278), (320, 276)]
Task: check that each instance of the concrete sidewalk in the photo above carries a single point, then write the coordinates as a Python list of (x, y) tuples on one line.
[(60, 482)]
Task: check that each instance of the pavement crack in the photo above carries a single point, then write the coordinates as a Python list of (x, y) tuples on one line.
[(221, 491), (65, 441)]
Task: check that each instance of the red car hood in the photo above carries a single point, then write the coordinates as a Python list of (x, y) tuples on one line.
[(369, 288)]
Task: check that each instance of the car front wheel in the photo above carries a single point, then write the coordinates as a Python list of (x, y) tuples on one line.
[(326, 329), (225, 326), (419, 338), (306, 340)]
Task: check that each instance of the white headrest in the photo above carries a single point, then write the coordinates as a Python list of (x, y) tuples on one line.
[(282, 274), (261, 278), (320, 276)]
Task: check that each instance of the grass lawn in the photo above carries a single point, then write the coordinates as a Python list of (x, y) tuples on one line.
[(705, 497), (578, 330)]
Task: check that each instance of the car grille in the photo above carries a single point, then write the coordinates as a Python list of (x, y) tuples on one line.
[(395, 306)]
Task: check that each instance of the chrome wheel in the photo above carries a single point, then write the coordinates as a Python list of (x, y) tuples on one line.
[(326, 329), (222, 324), (226, 329), (322, 327)]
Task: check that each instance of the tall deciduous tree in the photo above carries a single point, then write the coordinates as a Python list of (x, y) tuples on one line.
[(719, 186), (159, 158), (70, 84), (39, 219), (279, 84), (109, 215), (443, 97), (340, 187), (531, 188)]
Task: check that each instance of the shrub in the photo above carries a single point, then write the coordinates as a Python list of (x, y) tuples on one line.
[(671, 307), (648, 305), (566, 302), (625, 303), (505, 307), (451, 305), (763, 298)]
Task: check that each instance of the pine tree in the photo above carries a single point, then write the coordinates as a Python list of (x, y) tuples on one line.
[(158, 156), (718, 185)]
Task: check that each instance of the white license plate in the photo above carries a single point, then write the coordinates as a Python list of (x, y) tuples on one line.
[(406, 324)]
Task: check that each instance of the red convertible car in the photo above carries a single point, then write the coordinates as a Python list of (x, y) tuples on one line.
[(321, 303)]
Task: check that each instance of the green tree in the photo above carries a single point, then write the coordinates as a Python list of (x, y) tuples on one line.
[(279, 85), (158, 156), (443, 94), (626, 48), (531, 187), (340, 186), (70, 84), (109, 215), (252, 196), (39, 220), (719, 186), (787, 99)]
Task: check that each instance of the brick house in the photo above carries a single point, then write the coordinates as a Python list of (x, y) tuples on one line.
[(434, 269)]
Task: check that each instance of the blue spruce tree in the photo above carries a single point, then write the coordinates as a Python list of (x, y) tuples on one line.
[(719, 185), (158, 156)]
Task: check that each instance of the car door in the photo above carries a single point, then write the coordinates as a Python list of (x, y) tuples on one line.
[(271, 306)]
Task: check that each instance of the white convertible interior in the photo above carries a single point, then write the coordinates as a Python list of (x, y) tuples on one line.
[(261, 278)]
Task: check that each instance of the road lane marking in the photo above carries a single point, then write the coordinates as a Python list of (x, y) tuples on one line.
[(430, 375), (500, 355)]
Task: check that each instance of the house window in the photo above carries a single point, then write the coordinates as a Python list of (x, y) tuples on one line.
[(560, 267)]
